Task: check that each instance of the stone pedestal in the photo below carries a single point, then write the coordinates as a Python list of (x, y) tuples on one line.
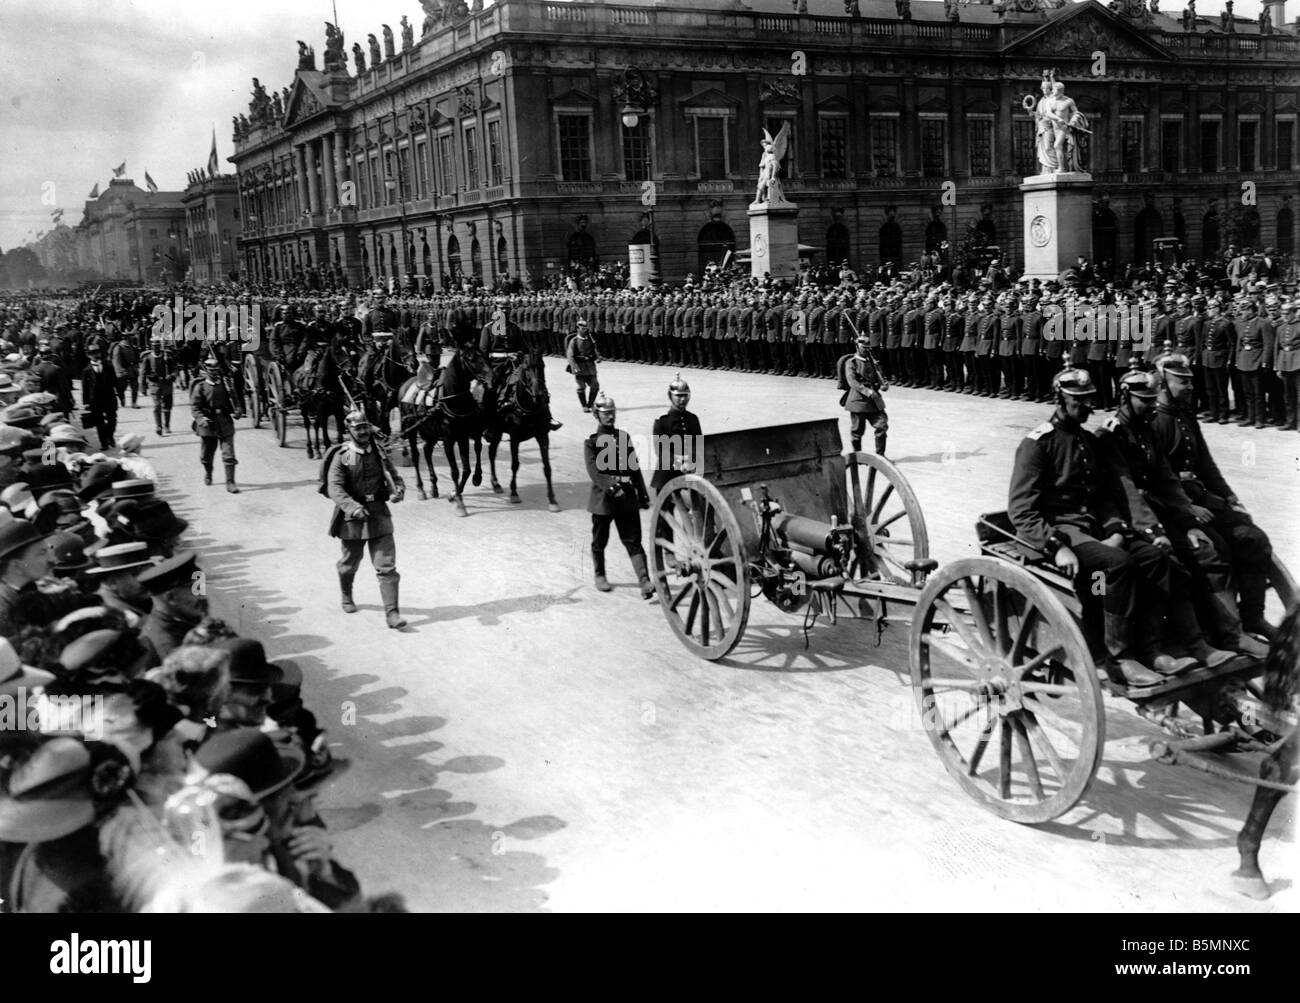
[(1058, 222), (774, 241)]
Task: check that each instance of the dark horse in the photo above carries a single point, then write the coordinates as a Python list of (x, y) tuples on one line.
[(518, 408), (316, 383), (381, 373), (461, 418), (1282, 764)]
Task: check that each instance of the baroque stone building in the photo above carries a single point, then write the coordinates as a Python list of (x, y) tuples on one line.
[(519, 138), (212, 227), (128, 233)]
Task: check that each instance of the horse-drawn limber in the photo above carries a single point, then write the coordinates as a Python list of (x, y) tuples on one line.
[(1003, 654)]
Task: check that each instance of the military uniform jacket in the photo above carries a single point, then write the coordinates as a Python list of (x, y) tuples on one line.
[(582, 355), (1155, 497), (1031, 332), (657, 321), (1101, 346), (893, 328), (1178, 435), (1061, 480), (987, 333), (1288, 347), (1187, 335), (1009, 334), (360, 491), (672, 430), (933, 329), (1163, 330), (954, 324), (911, 319), (381, 319), (611, 462), (1219, 335), (158, 369), (1252, 348), (213, 412), (970, 331), (876, 327), (863, 396), (709, 323), (774, 321)]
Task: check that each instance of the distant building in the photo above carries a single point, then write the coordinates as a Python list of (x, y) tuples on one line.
[(212, 227), (521, 139), (129, 233)]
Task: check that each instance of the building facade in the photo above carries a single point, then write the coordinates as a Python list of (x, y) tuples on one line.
[(529, 136), (129, 233), (212, 227)]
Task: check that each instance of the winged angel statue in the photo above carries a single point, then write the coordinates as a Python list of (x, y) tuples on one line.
[(769, 185), (1062, 127)]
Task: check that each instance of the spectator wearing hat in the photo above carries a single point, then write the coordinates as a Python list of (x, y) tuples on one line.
[(179, 601), (251, 680), (68, 556), (196, 680), (214, 422), (13, 443), (115, 571), (153, 522), (131, 460), (9, 390), (126, 366), (99, 397), (24, 560), (54, 379), (102, 662)]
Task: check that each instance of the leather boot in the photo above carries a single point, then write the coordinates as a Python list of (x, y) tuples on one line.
[(207, 474), (1203, 652), (1170, 665), (582, 402), (345, 591), (1119, 665), (388, 593), (230, 479), (881, 438), (643, 576), (1254, 587)]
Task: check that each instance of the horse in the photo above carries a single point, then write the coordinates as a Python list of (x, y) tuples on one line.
[(460, 404), (518, 409), (1282, 764), (419, 403), (381, 373), (316, 383)]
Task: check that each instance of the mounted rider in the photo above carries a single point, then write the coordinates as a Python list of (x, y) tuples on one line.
[(502, 343)]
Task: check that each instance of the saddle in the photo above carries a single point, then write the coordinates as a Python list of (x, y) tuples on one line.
[(426, 390), (304, 377)]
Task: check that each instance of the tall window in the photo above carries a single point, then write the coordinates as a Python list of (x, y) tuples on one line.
[(575, 147), (406, 179), (1130, 146), (1248, 145), (980, 132), (1285, 145), (375, 187), (711, 147), (446, 163), (471, 158), (834, 145), (422, 168), (636, 150), (884, 147), (1209, 145), (1171, 144), (494, 152), (1024, 143), (934, 147)]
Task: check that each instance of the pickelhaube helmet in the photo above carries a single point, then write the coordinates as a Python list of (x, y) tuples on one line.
[(1138, 382), (604, 404), (356, 418), (1171, 363), (679, 385), (1074, 382)]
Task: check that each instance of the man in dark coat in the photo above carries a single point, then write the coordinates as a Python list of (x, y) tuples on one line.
[(212, 403), (862, 399), (99, 396), (676, 437), (617, 490), (360, 481)]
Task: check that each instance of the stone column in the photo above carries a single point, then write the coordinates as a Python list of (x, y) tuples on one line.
[(327, 171), (313, 183), (342, 158), (303, 191)]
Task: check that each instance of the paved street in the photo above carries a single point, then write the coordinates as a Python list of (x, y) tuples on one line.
[(531, 744)]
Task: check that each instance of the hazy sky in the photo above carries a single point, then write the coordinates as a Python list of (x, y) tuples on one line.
[(86, 84)]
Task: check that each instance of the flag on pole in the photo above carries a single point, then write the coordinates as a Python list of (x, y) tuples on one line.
[(119, 170), (212, 157), (150, 183), (94, 192)]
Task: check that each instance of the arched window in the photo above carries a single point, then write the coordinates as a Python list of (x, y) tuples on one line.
[(476, 258), (1285, 231), (427, 256), (1147, 226), (715, 240), (837, 244), (503, 256), (581, 249), (891, 241), (453, 257)]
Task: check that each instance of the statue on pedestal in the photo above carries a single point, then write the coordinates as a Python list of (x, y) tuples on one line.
[(1043, 132), (1227, 21), (1266, 21), (852, 9), (432, 16), (306, 56), (389, 51), (1189, 16), (904, 8), (277, 107), (1068, 123), (408, 34), (769, 191), (358, 58), (951, 10), (335, 59), (375, 57), (260, 107)]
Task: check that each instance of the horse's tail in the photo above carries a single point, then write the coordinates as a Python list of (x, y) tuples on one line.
[(1282, 669)]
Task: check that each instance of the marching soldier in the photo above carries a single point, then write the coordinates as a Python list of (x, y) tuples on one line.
[(617, 491), (158, 368), (676, 435), (583, 356), (211, 402), (360, 480), (862, 399)]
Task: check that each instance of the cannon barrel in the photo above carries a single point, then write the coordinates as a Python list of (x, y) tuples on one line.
[(808, 535)]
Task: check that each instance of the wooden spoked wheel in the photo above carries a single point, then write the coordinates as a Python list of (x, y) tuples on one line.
[(1007, 689), (1282, 591), (252, 390), (699, 566), (276, 404), (887, 520)]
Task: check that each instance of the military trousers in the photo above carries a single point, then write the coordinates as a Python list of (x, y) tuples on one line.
[(208, 450), (383, 555), (627, 518)]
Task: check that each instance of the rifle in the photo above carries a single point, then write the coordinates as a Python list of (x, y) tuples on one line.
[(870, 357)]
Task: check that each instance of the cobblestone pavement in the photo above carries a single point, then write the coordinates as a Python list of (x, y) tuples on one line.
[(531, 744)]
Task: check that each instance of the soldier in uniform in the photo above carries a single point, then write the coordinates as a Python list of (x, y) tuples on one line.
[(211, 402), (1218, 338), (1187, 341), (676, 436), (988, 324), (1286, 363), (1178, 434), (863, 399), (1009, 334), (954, 323), (1253, 332), (1065, 501), (158, 369), (583, 356), (617, 492), (933, 322), (1031, 345), (360, 481), (381, 318)]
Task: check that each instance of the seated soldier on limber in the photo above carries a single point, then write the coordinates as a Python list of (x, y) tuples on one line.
[(1065, 501)]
